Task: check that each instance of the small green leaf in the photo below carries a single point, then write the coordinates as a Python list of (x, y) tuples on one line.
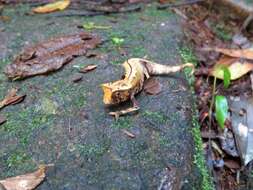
[(227, 77), (117, 41), (91, 26), (221, 110)]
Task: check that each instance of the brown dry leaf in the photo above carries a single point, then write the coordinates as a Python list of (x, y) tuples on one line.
[(237, 67), (232, 164), (88, 68), (25, 182), (11, 98), (50, 55), (52, 7), (239, 53), (152, 86), (2, 119)]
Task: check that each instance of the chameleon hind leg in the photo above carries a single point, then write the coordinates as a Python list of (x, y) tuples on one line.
[(133, 109)]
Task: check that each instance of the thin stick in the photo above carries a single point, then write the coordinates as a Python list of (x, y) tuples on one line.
[(172, 5)]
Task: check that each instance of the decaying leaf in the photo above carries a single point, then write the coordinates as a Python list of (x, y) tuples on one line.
[(88, 68), (228, 143), (243, 128), (11, 98), (237, 67), (232, 164), (51, 7), (152, 86), (238, 53), (50, 55), (25, 182)]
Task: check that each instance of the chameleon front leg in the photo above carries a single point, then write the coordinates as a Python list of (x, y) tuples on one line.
[(133, 109)]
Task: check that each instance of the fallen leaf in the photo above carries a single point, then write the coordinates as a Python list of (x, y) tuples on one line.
[(131, 135), (77, 78), (228, 143), (232, 164), (2, 119), (25, 182), (52, 7), (243, 128), (152, 86), (11, 98), (221, 110), (50, 55), (88, 68), (238, 53), (236, 67)]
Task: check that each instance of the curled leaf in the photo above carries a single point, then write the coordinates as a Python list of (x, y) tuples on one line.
[(25, 182), (221, 110), (238, 53), (51, 7)]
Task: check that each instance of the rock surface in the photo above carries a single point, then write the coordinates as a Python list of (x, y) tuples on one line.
[(66, 124)]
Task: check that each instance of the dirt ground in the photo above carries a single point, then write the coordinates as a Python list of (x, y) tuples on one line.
[(66, 124)]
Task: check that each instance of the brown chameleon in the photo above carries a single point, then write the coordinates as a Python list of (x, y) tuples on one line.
[(136, 71)]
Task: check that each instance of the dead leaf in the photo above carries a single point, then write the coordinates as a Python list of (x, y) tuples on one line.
[(243, 128), (25, 182), (2, 119), (131, 135), (237, 67), (238, 53), (232, 164), (52, 7), (50, 55), (88, 68), (76, 78), (152, 86), (11, 98)]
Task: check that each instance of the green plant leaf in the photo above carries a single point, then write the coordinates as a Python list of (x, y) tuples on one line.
[(227, 77), (117, 41), (221, 110)]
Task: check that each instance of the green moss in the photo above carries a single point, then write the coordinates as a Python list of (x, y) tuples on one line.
[(122, 123), (199, 160), (16, 158), (156, 117), (93, 150)]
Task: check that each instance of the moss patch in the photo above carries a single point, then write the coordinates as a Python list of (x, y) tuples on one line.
[(187, 55)]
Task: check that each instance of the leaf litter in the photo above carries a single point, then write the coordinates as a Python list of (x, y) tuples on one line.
[(51, 55), (216, 60)]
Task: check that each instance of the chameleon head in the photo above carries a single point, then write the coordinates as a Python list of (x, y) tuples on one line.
[(115, 93)]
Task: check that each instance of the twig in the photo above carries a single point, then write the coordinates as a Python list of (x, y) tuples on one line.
[(210, 119), (172, 5)]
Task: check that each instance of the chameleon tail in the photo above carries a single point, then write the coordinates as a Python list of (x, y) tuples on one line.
[(158, 69)]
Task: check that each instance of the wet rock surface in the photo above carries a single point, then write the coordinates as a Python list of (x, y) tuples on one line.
[(66, 124)]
